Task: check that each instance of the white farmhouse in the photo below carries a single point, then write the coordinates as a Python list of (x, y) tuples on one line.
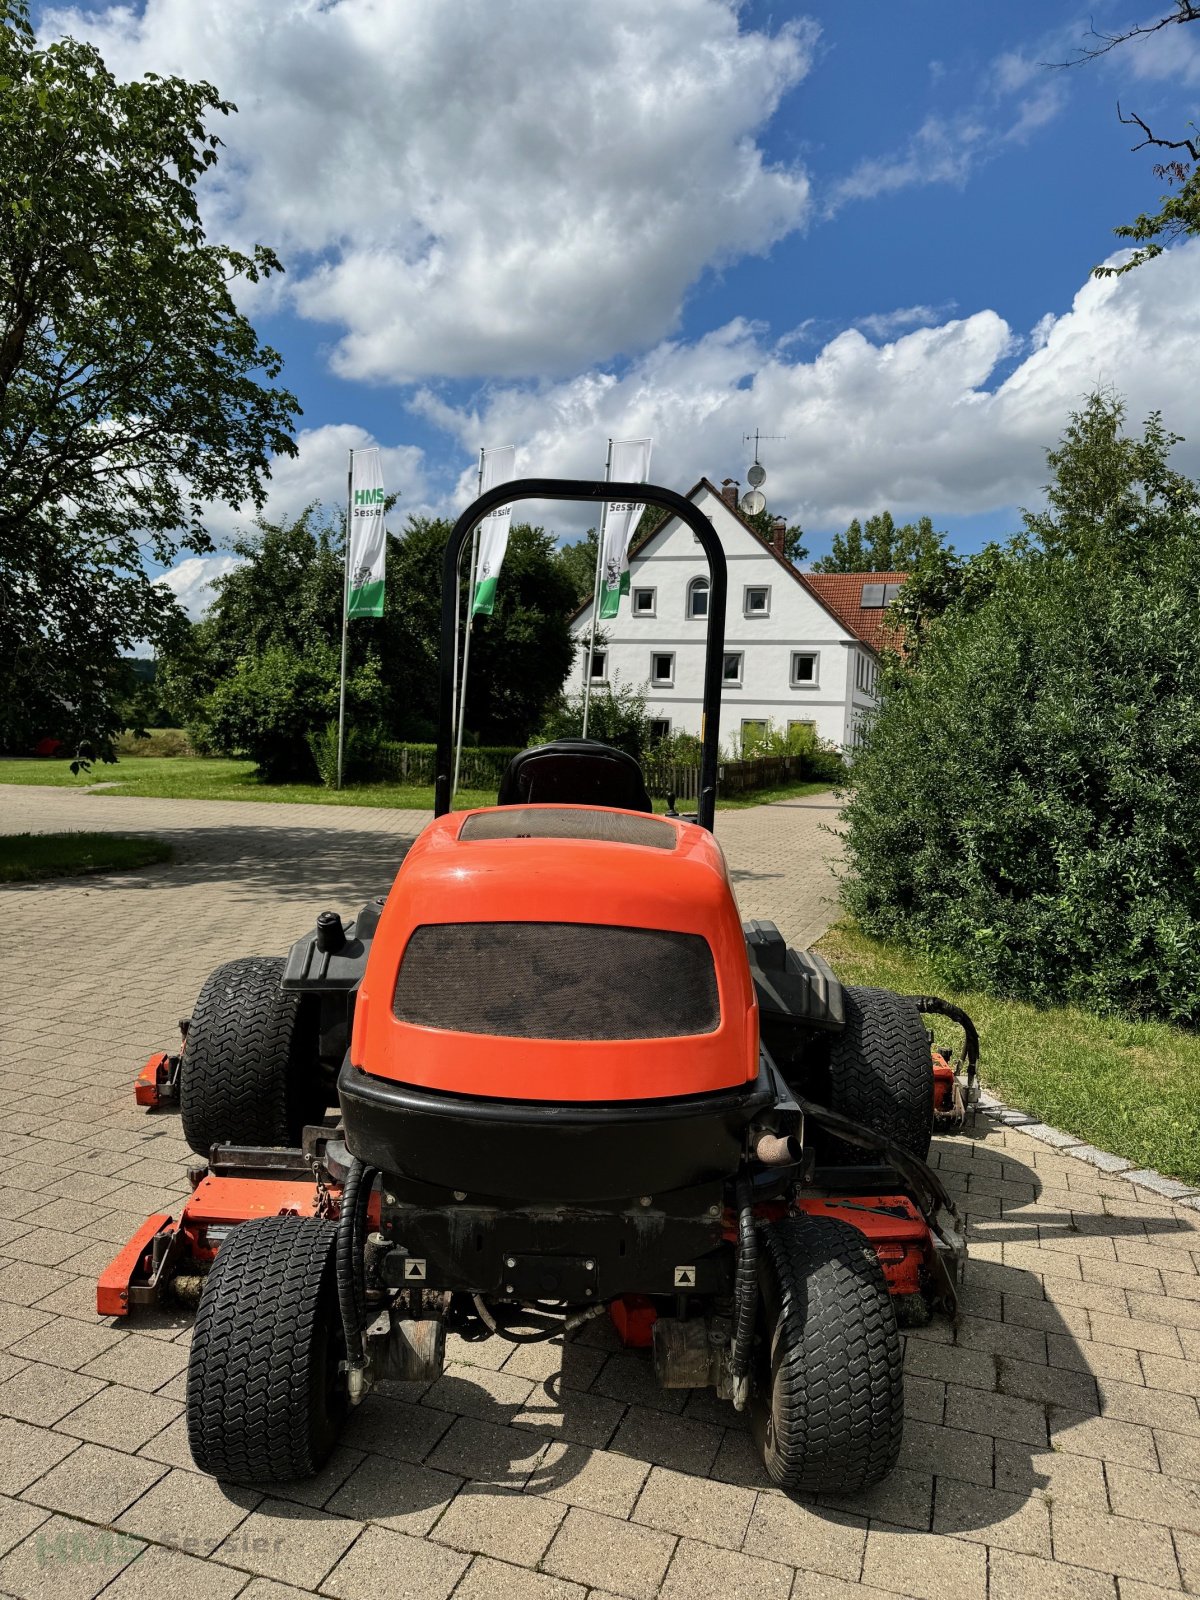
[(799, 647)]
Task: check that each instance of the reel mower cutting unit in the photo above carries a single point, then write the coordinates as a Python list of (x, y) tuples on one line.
[(569, 1083)]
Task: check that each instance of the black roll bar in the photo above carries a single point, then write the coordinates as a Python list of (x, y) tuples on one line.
[(650, 494)]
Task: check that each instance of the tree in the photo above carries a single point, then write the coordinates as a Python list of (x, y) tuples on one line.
[(617, 715), (763, 523), (578, 562), (260, 673), (883, 547), (132, 391), (1111, 504), (1026, 807), (1178, 215), (1112, 501)]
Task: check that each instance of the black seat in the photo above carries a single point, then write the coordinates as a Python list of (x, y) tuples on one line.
[(580, 772)]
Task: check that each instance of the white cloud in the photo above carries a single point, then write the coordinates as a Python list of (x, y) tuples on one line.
[(1172, 55), (318, 473), (940, 151), (1015, 97), (191, 581), (922, 423), (477, 189), (884, 324)]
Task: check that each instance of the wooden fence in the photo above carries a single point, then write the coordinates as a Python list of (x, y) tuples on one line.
[(483, 769), (733, 777)]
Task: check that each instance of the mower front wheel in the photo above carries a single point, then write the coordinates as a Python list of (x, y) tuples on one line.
[(881, 1074), (827, 1407), (266, 1396), (250, 1072)]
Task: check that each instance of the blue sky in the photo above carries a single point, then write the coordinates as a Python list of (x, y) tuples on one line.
[(867, 227)]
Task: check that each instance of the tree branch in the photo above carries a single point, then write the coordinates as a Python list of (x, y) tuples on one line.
[(1192, 146), (1185, 11)]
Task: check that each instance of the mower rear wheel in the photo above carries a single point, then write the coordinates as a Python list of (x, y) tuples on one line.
[(881, 1074), (827, 1408), (265, 1397), (250, 1072)]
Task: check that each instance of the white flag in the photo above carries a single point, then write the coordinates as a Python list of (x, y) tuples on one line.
[(630, 464), (499, 466), (368, 542)]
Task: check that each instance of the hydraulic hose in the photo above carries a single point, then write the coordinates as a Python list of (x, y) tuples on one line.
[(930, 1192), (565, 1325), (745, 1293), (932, 1004), (351, 1280)]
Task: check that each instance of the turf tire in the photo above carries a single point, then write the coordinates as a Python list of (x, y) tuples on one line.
[(265, 1400), (250, 1072), (827, 1408), (881, 1074)]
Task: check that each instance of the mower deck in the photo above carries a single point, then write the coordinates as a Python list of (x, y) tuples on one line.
[(168, 1257)]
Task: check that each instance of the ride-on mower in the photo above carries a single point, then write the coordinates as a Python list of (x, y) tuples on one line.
[(569, 1084)]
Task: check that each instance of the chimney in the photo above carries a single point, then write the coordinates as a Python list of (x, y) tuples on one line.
[(778, 534), (729, 491)]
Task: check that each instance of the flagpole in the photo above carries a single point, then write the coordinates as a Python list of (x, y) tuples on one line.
[(345, 619), (462, 697), (587, 665)]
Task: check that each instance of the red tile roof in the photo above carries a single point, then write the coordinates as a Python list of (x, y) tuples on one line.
[(841, 592)]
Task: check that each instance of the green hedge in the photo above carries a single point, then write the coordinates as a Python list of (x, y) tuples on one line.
[(371, 759), (1027, 806)]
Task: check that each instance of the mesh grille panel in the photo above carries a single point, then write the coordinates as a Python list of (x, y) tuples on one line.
[(557, 980), (566, 822)]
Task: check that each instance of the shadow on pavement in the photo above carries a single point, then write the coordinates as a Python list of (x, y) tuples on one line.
[(347, 865), (1000, 1410)]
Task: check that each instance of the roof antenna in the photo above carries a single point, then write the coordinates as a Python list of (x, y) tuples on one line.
[(754, 501)]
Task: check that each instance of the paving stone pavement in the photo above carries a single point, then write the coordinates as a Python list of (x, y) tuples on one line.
[(1052, 1446)]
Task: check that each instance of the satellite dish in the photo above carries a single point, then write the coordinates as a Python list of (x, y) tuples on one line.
[(756, 476), (754, 502)]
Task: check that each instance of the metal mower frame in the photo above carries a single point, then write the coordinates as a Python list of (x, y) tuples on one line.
[(744, 1193)]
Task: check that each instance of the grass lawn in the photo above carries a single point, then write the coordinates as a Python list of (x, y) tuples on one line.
[(1129, 1087), (29, 857), (216, 778)]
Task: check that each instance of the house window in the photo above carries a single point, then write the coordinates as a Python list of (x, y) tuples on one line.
[(754, 732), (731, 668), (798, 726), (866, 673), (757, 600), (643, 602), (599, 665), (662, 669), (697, 597), (804, 669), (660, 729)]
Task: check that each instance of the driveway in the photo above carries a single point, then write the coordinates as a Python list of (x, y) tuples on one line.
[(1052, 1448)]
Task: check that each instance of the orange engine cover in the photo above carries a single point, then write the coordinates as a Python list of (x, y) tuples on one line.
[(451, 886)]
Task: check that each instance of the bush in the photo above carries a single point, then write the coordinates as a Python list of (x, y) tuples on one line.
[(678, 748), (360, 754), (155, 742), (819, 761), (1026, 808), (372, 759), (616, 714)]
